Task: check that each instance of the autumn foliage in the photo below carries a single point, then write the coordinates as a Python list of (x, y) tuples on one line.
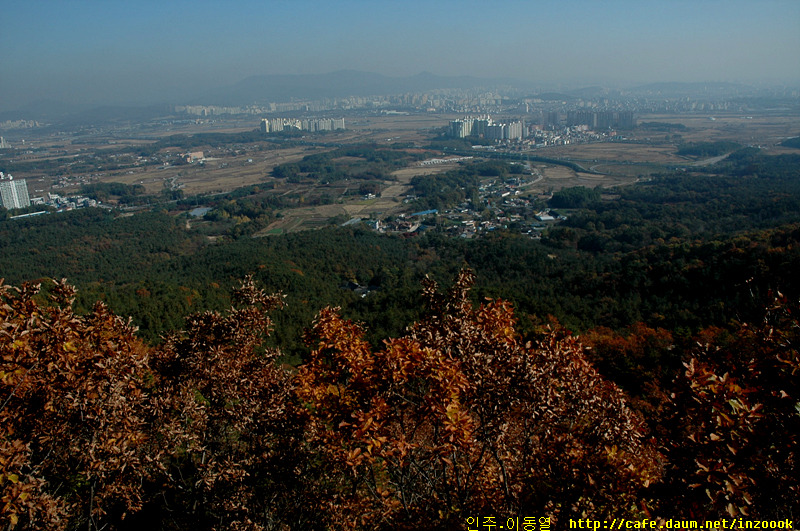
[(458, 417), (226, 424), (73, 416), (734, 427)]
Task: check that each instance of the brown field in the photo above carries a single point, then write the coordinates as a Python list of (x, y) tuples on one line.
[(218, 175), (626, 161), (615, 152), (556, 178), (405, 175), (627, 171), (227, 173), (762, 130), (398, 128), (780, 150), (396, 123)]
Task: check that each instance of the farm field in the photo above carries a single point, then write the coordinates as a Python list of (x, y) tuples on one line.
[(556, 178), (765, 130), (217, 175), (615, 152)]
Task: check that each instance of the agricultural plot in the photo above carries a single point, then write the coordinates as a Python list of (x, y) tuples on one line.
[(764, 130), (555, 178), (589, 154), (215, 175)]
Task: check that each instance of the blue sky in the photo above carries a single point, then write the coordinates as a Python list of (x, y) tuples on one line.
[(145, 51)]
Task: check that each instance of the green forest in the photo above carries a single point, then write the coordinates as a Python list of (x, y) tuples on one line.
[(639, 360), (339, 164)]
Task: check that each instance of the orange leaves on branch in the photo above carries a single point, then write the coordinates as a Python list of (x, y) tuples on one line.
[(736, 422), (94, 426), (457, 417), (227, 414), (23, 495), (72, 410)]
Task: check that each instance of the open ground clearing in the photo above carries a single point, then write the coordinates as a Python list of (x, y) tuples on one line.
[(556, 178), (763, 130), (217, 175), (615, 152)]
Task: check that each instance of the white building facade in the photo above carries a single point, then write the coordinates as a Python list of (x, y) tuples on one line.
[(13, 193)]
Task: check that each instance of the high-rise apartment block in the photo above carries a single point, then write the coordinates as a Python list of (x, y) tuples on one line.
[(273, 125), (552, 118), (486, 128), (13, 193), (602, 119)]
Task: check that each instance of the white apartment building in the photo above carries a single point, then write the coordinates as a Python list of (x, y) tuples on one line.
[(13, 193)]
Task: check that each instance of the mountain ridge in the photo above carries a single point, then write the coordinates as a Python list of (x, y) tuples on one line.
[(339, 84)]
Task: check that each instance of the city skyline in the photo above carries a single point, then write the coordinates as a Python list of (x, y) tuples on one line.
[(109, 53)]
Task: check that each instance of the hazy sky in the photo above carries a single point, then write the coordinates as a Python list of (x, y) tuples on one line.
[(144, 51)]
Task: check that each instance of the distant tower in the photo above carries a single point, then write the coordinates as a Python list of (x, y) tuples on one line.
[(264, 125), (4, 144), (13, 194)]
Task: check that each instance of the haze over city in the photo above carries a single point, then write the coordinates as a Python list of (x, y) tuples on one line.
[(94, 53)]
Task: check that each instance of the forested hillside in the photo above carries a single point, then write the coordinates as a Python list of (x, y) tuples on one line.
[(681, 251)]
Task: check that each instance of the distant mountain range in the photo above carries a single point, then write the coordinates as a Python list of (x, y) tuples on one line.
[(271, 88), (343, 83), (677, 90), (338, 84)]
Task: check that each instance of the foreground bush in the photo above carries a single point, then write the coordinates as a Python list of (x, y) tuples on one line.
[(458, 417)]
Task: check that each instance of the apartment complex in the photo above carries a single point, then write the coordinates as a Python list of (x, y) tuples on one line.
[(13, 193), (602, 119), (273, 125), (487, 128)]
